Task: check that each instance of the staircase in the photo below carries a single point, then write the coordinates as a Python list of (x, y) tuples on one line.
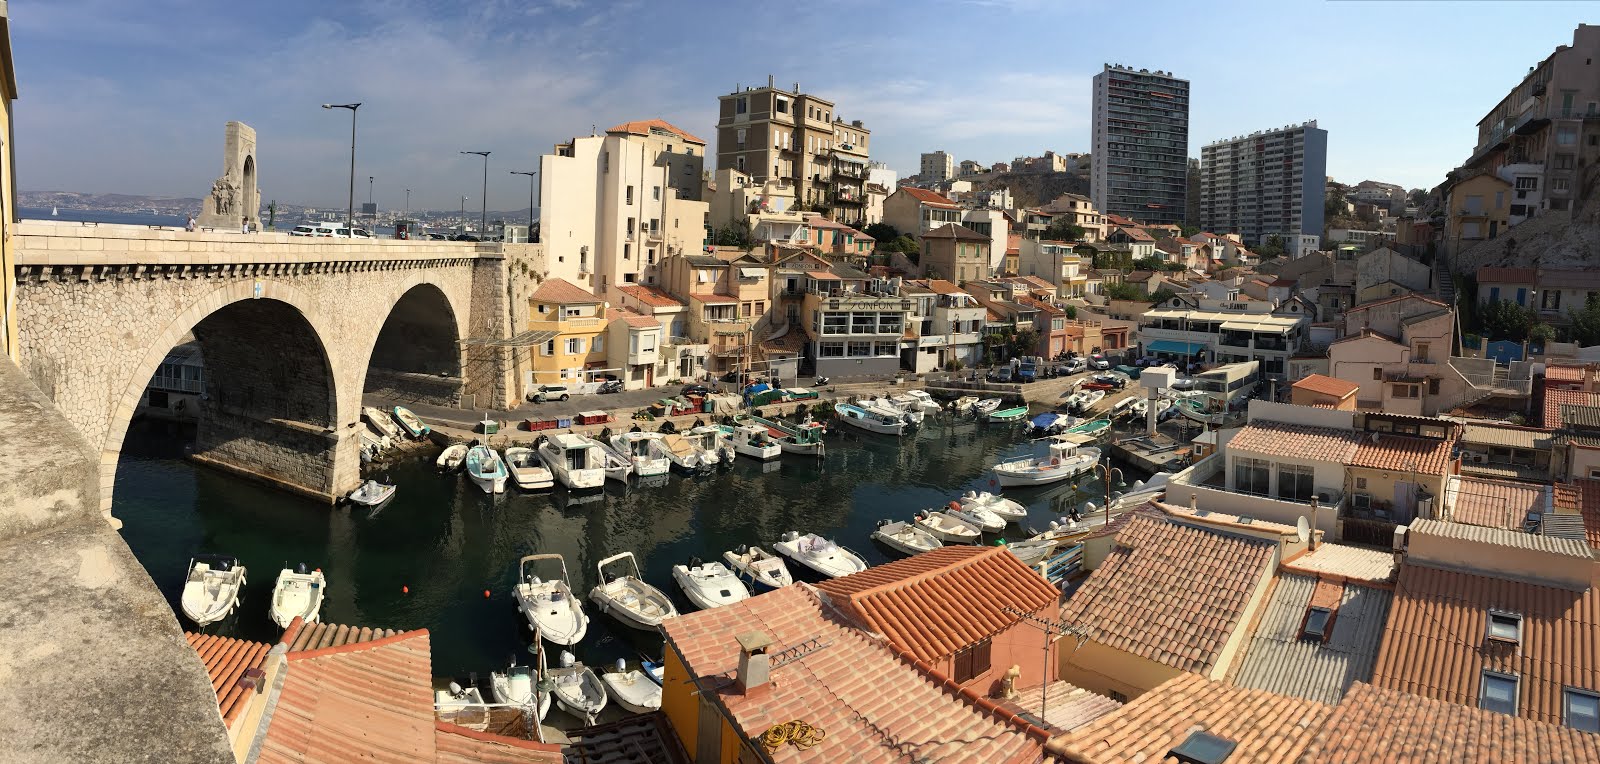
[(1444, 285)]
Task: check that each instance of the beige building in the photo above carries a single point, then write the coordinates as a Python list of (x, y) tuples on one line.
[(8, 193), (1056, 262), (773, 134), (613, 206), (915, 211), (955, 253), (937, 165), (728, 298), (768, 209)]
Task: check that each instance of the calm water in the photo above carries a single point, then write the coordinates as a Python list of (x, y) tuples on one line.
[(448, 542), (103, 216)]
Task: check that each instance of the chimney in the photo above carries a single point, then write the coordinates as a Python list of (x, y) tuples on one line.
[(755, 669), (1194, 502), (769, 80)]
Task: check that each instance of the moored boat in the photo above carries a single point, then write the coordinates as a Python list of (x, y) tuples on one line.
[(963, 405), (983, 517), (709, 584), (1013, 414), (371, 493), (575, 461), (486, 470), (1000, 505), (644, 449), (948, 528), (712, 442), (519, 686), (547, 602), (577, 690), (297, 594), (461, 706), (409, 422), (211, 590), (1032, 551), (905, 538), (1065, 458), (820, 555), (527, 471), (986, 406), (758, 568), (869, 420), (793, 438), (920, 399), (1093, 429), (624, 595), (683, 453), (632, 689), (380, 421), (451, 457), (753, 440)]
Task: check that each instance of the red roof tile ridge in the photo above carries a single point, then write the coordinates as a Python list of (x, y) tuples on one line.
[(292, 632), (356, 647), (489, 737)]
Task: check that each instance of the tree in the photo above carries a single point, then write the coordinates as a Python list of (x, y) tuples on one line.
[(1541, 333), (1506, 320), (1024, 341), (883, 233), (1123, 292), (1072, 312), (1062, 229), (1272, 248), (1586, 323), (734, 234), (907, 246), (1162, 295), (1188, 230)]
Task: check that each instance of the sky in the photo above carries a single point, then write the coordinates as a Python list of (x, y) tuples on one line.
[(131, 97)]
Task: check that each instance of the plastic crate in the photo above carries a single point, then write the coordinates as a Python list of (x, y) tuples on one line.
[(564, 422)]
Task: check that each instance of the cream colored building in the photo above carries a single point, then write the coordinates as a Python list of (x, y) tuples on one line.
[(769, 133), (613, 206), (769, 208)]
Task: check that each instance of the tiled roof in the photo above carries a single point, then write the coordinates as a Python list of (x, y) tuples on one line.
[(873, 705), (1324, 444), (651, 296), (1386, 451), (1396, 298), (561, 291), (1353, 563), (955, 231), (1583, 497), (1560, 372), (459, 745), (713, 299), (1491, 503), (642, 127), (1137, 234), (1435, 644), (1063, 706), (1374, 725), (638, 319), (1040, 305), (1505, 435), (1268, 728), (1323, 384), (928, 197), (942, 601), (1170, 593), (369, 700), (635, 739), (315, 636), (940, 286), (226, 661), (1036, 282), (1502, 538), (1569, 279), (1279, 660)]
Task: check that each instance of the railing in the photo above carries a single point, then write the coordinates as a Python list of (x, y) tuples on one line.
[(176, 384)]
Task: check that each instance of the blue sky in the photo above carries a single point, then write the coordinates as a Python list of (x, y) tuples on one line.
[(130, 97)]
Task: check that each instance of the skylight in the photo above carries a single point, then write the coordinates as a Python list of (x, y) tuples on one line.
[(1580, 709), (1317, 623), (1203, 748), (1498, 693), (1505, 626)]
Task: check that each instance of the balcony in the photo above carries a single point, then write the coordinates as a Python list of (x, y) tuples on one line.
[(1271, 343), (1207, 482)]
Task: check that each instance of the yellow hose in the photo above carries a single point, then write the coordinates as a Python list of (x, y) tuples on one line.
[(796, 732)]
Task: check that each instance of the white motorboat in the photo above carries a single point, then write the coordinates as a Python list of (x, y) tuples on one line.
[(451, 457), (1066, 458), (625, 596), (911, 415), (753, 440), (904, 537), (644, 449), (999, 505), (819, 554), (921, 400), (297, 594), (462, 707), (212, 588), (684, 454), (963, 405), (1122, 407), (760, 569), (948, 528), (870, 420), (986, 406), (574, 460), (486, 470), (986, 519), (617, 466), (712, 442), (1033, 551), (547, 602), (1074, 401), (1091, 398), (380, 421), (804, 438), (519, 686), (372, 494), (578, 691), (633, 689), (709, 584), (1137, 409), (527, 470)]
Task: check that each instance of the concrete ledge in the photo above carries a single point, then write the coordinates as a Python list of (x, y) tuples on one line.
[(245, 472)]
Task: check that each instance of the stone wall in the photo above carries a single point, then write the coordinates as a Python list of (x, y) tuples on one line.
[(404, 387)]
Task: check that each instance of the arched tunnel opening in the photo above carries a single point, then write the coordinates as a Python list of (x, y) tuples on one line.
[(417, 358)]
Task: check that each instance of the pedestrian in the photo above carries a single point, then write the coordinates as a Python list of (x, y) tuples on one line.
[(245, 227), (191, 225)]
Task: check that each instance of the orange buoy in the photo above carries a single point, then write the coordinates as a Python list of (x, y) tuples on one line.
[(486, 594), (405, 590), (955, 506)]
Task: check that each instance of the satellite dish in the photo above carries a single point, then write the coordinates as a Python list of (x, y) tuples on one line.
[(1302, 529)]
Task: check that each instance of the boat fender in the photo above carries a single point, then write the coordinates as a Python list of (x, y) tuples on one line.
[(567, 659), (955, 506), (622, 665), (991, 481)]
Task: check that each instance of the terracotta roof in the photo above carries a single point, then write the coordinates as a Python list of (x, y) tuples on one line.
[(459, 745), (1435, 643), (1385, 451), (940, 286), (638, 319), (315, 636), (226, 662), (942, 601), (1036, 282), (651, 296), (1137, 234), (1170, 593), (1040, 305), (1301, 441), (1491, 503), (1507, 275), (873, 705), (1374, 724), (1555, 398), (1582, 497), (955, 231), (1279, 659), (1267, 728), (713, 299), (369, 700), (642, 127), (1563, 373), (1352, 563), (1323, 384), (562, 291), (635, 739), (925, 196)]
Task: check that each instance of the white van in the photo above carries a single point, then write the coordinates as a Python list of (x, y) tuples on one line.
[(327, 229)]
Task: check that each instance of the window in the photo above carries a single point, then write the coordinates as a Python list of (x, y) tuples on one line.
[(887, 348), (1527, 183), (1294, 482), (574, 345), (630, 226), (1566, 136), (649, 340), (1580, 709), (599, 343), (1377, 372), (1253, 476), (1403, 390), (1559, 184), (1433, 386), (549, 348), (1551, 299), (761, 308), (627, 251), (630, 278), (741, 106), (1498, 692), (1317, 624), (1563, 162), (655, 193), (972, 662), (860, 349), (629, 195), (830, 349), (1361, 483), (739, 136), (739, 161), (1505, 626), (781, 104), (650, 256)]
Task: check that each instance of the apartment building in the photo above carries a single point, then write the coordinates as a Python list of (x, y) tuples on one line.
[(937, 166), (916, 211), (727, 297), (1075, 209), (1226, 332), (955, 252), (788, 135), (570, 326), (1140, 160), (767, 209), (948, 323), (613, 206), (1056, 262), (854, 324), (1268, 183)]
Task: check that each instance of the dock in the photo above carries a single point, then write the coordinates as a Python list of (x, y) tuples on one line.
[(1157, 453)]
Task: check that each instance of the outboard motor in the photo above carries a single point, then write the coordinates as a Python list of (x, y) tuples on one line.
[(622, 665), (301, 569), (567, 659)]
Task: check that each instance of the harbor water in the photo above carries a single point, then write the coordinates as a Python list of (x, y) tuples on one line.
[(442, 555)]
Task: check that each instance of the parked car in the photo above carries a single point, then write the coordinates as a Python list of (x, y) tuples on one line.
[(550, 393), (695, 388), (1074, 365), (1000, 374), (1099, 362)]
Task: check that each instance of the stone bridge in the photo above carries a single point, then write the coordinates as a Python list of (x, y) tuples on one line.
[(292, 331)]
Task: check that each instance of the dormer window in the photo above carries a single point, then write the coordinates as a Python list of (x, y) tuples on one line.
[(1505, 627), (1317, 624)]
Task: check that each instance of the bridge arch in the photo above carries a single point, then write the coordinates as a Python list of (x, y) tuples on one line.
[(418, 353)]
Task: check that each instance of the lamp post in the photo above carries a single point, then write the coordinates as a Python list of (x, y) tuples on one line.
[(530, 174), (483, 225), (374, 221), (463, 227), (1105, 474), (408, 203), (350, 203)]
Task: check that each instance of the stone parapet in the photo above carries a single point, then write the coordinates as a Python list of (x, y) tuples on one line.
[(44, 242)]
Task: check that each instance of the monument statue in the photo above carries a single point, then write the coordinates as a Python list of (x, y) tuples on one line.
[(234, 198)]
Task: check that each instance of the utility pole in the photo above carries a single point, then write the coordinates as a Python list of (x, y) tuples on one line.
[(483, 225), (350, 206), (463, 225)]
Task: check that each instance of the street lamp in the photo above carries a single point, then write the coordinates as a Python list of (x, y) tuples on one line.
[(463, 226), (1105, 474), (483, 225), (350, 203), (408, 203), (374, 221), (530, 174)]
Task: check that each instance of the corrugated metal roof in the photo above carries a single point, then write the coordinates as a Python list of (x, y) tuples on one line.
[(1278, 660)]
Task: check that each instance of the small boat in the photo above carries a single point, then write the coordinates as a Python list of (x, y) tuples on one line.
[(904, 537), (1031, 552), (380, 421), (709, 584), (1094, 428), (451, 457), (632, 689), (656, 670), (462, 707), (1065, 458), (486, 469), (1049, 423), (372, 494), (526, 469), (963, 405), (645, 450), (1197, 409), (576, 461), (1092, 398), (578, 691), (760, 569), (948, 528), (1137, 409), (54, 212), (298, 594), (753, 440), (684, 454), (999, 505), (986, 406), (617, 466), (820, 554), (869, 420), (1122, 407), (1074, 401), (1013, 414), (409, 422), (805, 439), (628, 598), (212, 588), (921, 400), (713, 444), (547, 603), (911, 415), (1165, 409), (519, 686), (983, 517)]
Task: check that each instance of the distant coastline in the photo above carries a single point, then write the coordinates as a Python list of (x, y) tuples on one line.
[(102, 216)]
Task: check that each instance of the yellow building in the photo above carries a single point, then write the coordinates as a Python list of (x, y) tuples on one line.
[(8, 195), (1479, 208), (572, 326)]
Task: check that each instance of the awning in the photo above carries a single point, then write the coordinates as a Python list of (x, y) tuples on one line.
[(752, 273), (1173, 346)]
